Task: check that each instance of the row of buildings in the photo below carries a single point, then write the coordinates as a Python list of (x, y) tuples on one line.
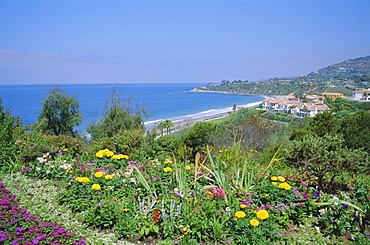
[(313, 105)]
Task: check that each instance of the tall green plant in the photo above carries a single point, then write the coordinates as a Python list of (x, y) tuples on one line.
[(61, 111), (219, 176)]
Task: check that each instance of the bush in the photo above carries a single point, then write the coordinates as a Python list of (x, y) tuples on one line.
[(321, 156)]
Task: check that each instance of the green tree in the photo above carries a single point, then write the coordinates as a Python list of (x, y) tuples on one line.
[(325, 156), (117, 116), (356, 130), (199, 135), (61, 111), (165, 145), (166, 124)]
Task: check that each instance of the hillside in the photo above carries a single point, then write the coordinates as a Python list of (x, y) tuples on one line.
[(359, 66), (344, 77)]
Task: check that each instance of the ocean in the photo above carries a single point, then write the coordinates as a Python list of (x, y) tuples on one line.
[(161, 100)]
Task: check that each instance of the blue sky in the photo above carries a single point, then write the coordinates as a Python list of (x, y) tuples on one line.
[(176, 41)]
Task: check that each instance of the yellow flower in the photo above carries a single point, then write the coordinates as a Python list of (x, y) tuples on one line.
[(99, 154), (99, 174), (254, 222), (262, 214), (65, 149), (251, 150), (82, 179), (125, 209), (281, 179), (96, 187), (108, 177), (167, 169), (274, 183), (243, 206), (266, 195), (240, 214), (285, 186), (109, 153), (188, 168), (274, 178), (275, 160), (168, 161)]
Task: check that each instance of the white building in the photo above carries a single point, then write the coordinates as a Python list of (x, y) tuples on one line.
[(294, 107), (363, 94)]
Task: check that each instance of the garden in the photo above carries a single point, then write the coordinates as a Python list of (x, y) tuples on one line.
[(246, 180), (163, 201)]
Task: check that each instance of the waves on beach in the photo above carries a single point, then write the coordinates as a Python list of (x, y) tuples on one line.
[(199, 116)]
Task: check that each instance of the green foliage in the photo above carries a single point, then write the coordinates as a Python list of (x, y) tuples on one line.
[(323, 123), (166, 124), (165, 145), (61, 111), (247, 128), (11, 133), (129, 140), (199, 135), (344, 107), (356, 130), (321, 156), (118, 116)]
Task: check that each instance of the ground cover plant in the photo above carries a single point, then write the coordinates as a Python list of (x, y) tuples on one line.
[(168, 202)]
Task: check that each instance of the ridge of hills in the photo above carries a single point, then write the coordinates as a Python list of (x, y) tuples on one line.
[(344, 77)]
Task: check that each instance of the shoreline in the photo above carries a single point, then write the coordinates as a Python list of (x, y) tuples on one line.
[(209, 115)]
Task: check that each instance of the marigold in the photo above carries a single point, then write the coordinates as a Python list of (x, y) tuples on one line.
[(188, 168), (274, 178), (254, 222), (240, 214), (99, 154), (109, 153), (274, 183), (96, 187), (167, 169), (82, 179), (99, 174), (108, 177), (281, 179), (262, 214), (243, 206), (285, 186)]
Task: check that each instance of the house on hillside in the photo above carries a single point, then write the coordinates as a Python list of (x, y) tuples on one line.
[(310, 109), (314, 98), (363, 95), (297, 108), (333, 96)]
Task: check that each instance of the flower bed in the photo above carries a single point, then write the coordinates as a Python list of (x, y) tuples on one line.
[(19, 227), (178, 203)]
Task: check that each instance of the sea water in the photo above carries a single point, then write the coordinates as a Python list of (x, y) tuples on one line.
[(161, 100)]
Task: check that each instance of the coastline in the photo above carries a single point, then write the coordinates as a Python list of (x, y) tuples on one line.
[(209, 115), (267, 97)]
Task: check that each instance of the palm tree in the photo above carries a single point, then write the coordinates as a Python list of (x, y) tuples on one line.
[(168, 124)]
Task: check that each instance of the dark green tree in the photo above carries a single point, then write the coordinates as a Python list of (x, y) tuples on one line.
[(61, 111), (165, 145), (117, 116), (324, 157), (199, 135), (356, 130)]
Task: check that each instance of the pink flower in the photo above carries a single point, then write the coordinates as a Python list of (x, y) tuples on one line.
[(304, 185)]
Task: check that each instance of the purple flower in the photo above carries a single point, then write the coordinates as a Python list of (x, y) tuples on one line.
[(345, 206), (228, 241), (317, 194)]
